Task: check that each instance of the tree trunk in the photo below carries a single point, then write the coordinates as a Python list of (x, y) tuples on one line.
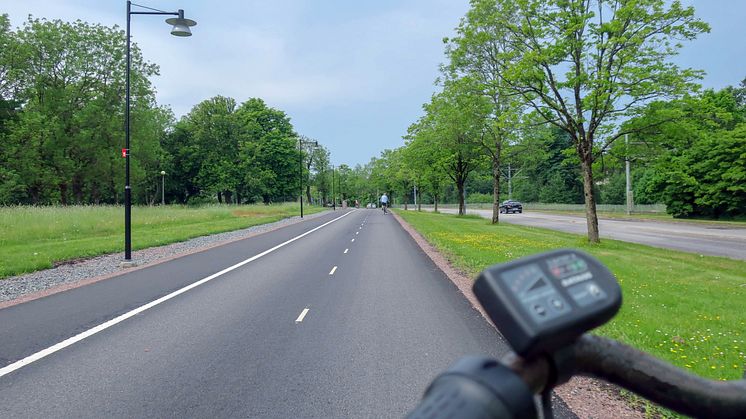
[(308, 194), (228, 197), (95, 194), (78, 190), (591, 217), (435, 200), (461, 203), (220, 197), (495, 189), (63, 194)]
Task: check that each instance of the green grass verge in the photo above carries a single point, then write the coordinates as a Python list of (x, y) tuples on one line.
[(682, 307), (33, 238)]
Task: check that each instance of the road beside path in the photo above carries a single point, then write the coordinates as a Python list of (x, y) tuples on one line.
[(704, 239)]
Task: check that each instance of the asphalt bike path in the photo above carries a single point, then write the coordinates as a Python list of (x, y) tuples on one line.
[(33, 326), (351, 320)]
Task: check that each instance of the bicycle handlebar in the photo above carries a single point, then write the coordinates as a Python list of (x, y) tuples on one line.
[(484, 388), (476, 388), (659, 381)]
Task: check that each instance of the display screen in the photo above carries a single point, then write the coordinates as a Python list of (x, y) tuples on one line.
[(536, 293), (566, 265)]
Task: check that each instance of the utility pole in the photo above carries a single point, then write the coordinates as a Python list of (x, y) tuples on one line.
[(163, 187), (334, 197), (510, 184), (630, 198), (510, 175)]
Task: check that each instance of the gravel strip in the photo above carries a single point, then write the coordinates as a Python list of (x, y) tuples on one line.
[(69, 274)]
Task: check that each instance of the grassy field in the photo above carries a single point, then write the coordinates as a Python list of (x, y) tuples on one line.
[(33, 238), (681, 307)]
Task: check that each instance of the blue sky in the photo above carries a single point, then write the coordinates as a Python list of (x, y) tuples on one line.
[(351, 74)]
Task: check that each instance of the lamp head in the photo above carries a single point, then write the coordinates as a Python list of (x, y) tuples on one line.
[(181, 25)]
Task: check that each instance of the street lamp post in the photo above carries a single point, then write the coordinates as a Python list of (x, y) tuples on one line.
[(334, 196), (300, 168), (163, 187), (180, 28)]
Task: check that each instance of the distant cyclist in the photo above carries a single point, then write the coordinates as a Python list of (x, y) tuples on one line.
[(384, 202)]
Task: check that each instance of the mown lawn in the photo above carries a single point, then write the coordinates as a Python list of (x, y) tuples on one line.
[(33, 238), (682, 307)]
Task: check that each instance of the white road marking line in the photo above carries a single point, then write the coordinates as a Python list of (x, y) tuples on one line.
[(347, 250), (302, 315), (103, 326), (352, 240), (333, 270), (357, 232)]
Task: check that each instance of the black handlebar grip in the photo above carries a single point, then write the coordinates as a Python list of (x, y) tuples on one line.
[(476, 388)]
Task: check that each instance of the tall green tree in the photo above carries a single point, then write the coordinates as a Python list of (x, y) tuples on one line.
[(544, 167), (321, 167), (426, 159), (13, 63), (268, 152), (586, 64), (182, 162), (478, 54), (12, 185), (63, 146), (235, 154), (307, 148), (216, 133), (454, 119), (344, 173)]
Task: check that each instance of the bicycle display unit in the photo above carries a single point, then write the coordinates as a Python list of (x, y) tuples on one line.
[(543, 305)]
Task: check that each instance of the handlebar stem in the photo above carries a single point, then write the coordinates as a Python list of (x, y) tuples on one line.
[(534, 373)]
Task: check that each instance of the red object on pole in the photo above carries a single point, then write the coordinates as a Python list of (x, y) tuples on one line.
[(124, 152)]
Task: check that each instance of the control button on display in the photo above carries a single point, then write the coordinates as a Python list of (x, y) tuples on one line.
[(586, 293), (558, 304), (540, 310)]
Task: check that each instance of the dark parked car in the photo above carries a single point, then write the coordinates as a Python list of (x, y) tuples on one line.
[(510, 206)]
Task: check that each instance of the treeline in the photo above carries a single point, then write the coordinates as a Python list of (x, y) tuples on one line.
[(61, 114), (62, 99), (541, 95), (690, 154), (535, 100)]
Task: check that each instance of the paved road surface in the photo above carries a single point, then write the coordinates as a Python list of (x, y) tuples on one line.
[(350, 320), (706, 239)]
